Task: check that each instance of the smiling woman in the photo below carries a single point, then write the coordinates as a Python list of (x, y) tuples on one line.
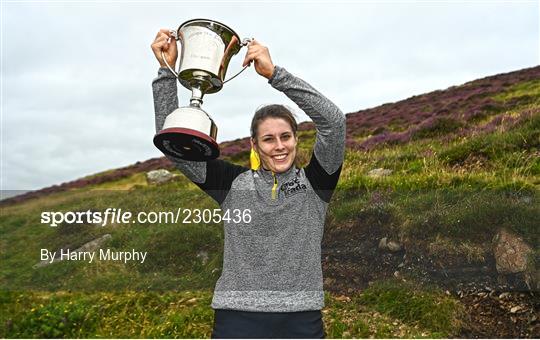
[(271, 284), (273, 137)]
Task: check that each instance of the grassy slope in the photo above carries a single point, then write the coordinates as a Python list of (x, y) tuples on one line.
[(451, 188)]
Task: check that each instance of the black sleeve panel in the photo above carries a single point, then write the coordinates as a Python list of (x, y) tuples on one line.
[(219, 177), (323, 183)]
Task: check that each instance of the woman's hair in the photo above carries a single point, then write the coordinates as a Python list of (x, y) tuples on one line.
[(272, 111)]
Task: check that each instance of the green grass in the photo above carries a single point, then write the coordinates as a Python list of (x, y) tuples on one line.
[(426, 307), (496, 146), (187, 314), (441, 127), (503, 159), (392, 309), (125, 314), (526, 91)]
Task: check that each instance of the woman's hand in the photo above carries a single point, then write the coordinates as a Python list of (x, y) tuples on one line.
[(165, 42), (260, 54)]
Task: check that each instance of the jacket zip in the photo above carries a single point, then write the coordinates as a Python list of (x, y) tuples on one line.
[(275, 186)]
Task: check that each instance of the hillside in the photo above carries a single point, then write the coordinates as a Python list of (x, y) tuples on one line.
[(429, 187), (476, 106)]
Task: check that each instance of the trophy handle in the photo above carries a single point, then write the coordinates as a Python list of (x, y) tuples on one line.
[(174, 35), (245, 42)]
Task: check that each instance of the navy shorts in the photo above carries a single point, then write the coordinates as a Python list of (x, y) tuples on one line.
[(242, 324)]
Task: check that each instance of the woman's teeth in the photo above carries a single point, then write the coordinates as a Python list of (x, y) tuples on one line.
[(280, 157)]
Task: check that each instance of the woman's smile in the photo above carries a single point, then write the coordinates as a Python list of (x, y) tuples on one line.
[(280, 158)]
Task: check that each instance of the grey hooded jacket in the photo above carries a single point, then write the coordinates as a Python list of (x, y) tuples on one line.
[(273, 262)]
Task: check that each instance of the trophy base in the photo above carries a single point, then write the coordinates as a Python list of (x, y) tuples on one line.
[(188, 144)]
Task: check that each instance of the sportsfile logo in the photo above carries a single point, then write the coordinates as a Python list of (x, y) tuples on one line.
[(293, 187), (121, 216)]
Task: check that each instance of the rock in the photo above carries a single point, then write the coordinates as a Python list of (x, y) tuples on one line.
[(382, 243), (158, 176), (393, 246), (515, 309), (504, 295), (329, 282), (95, 244), (191, 301), (511, 252), (87, 247), (203, 256), (526, 199), (379, 172)]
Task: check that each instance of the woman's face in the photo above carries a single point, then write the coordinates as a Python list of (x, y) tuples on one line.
[(276, 144)]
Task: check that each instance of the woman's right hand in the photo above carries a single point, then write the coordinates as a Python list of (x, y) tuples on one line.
[(165, 42)]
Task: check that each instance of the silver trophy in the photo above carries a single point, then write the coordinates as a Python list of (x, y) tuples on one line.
[(206, 49)]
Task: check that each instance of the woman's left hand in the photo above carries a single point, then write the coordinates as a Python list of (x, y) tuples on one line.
[(260, 54)]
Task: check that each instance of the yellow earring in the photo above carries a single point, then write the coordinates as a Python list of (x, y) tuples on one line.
[(254, 160)]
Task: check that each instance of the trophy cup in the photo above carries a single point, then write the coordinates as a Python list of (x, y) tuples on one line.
[(206, 49)]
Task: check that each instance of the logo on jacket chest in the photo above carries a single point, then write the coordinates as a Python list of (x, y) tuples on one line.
[(292, 187)]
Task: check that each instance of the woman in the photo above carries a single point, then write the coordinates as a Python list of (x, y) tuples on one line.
[(271, 284)]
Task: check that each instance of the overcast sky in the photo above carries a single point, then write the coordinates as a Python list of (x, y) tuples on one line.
[(76, 76)]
